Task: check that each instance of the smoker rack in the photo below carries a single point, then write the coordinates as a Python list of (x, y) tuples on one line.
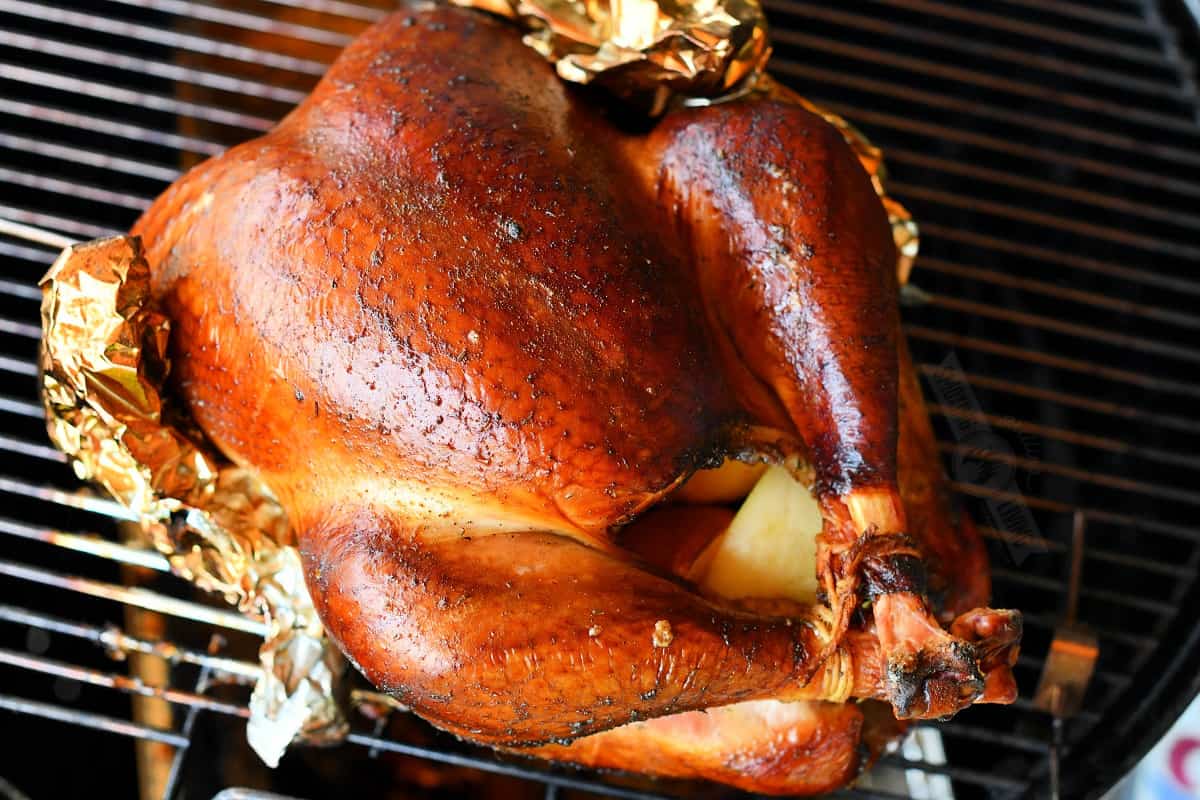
[(1051, 151)]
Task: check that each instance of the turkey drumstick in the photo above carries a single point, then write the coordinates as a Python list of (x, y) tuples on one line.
[(441, 312), (796, 269)]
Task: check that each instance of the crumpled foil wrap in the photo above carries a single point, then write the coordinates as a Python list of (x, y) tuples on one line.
[(103, 369), (663, 53), (645, 50)]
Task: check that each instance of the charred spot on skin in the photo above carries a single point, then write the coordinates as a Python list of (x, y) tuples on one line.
[(799, 654), (920, 682), (893, 573), (510, 228)]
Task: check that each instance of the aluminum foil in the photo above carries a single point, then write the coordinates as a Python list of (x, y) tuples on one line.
[(645, 50), (104, 369)]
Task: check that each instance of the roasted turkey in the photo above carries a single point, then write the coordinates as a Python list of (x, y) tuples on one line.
[(476, 328)]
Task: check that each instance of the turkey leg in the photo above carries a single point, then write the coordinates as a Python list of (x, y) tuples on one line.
[(796, 269)]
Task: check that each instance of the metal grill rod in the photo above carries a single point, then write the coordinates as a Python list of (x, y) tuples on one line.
[(91, 544), (1069, 436), (20, 407), (1062, 398), (172, 39), (1058, 586), (970, 307), (38, 182), (1094, 515), (968, 47), (1116, 679), (1075, 330), (38, 451), (244, 21), (51, 222), (964, 774), (91, 158), (1143, 644), (1157, 490), (1150, 212), (311, 35), (19, 328), (34, 234), (108, 127), (21, 290), (114, 640), (1082, 297), (117, 682), (1116, 19), (197, 701), (1103, 47), (1032, 464), (40, 258), (1181, 571), (73, 716), (1136, 147), (1009, 248), (978, 310), (1085, 476), (969, 77), (19, 367), (1008, 147), (143, 100), (1050, 432), (335, 8), (1087, 230), (1091, 369), (901, 155), (95, 546), (134, 596), (78, 499), (189, 722), (145, 66)]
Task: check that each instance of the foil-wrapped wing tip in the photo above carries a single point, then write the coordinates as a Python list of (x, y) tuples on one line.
[(104, 368), (646, 51)]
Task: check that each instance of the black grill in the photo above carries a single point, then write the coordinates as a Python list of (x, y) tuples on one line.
[(1051, 152)]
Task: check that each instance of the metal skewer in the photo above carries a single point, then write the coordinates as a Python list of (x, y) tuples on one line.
[(1070, 663)]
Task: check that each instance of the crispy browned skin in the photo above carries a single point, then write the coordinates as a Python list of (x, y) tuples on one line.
[(465, 327), (762, 746)]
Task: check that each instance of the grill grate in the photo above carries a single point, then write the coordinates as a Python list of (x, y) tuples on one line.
[(1051, 150)]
